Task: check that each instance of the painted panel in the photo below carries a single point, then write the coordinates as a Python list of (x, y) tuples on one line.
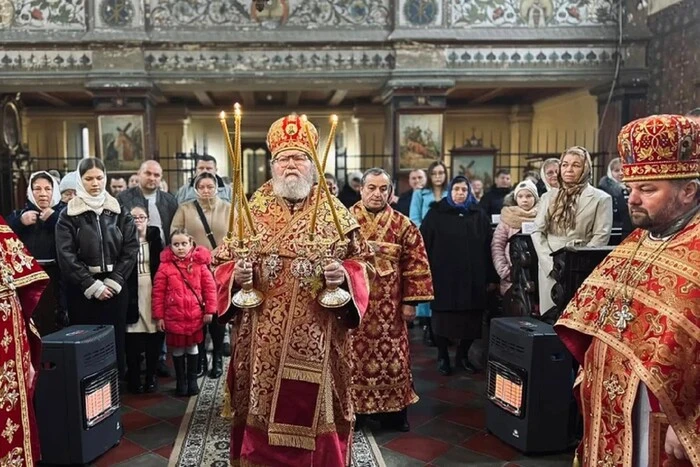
[(45, 60), (45, 15), (531, 13), (529, 57), (307, 14)]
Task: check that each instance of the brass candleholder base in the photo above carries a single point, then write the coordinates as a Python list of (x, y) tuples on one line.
[(248, 296), (333, 297)]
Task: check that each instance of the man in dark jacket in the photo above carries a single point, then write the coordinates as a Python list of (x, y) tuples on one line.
[(160, 205), (416, 180), (350, 194), (492, 202), (205, 163)]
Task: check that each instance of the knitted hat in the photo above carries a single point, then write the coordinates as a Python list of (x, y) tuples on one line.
[(529, 186), (69, 181)]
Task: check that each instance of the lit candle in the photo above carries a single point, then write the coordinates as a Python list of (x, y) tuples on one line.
[(231, 155), (331, 138), (321, 181), (238, 166)]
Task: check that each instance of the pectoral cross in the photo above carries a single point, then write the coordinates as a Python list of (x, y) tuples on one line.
[(623, 317)]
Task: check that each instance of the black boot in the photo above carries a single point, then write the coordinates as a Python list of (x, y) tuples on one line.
[(396, 421), (217, 366), (192, 386), (202, 358), (180, 375), (428, 338), (444, 366), (463, 356)]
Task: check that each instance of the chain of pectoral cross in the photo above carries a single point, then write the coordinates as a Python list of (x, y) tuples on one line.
[(623, 316)]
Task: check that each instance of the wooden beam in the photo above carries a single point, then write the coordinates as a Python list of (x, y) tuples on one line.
[(204, 98), (248, 98), (51, 99), (293, 98), (337, 97), (487, 96)]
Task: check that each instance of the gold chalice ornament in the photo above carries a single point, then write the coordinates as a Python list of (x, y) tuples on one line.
[(242, 247), (332, 296)]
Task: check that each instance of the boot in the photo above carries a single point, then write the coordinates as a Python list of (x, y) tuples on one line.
[(428, 338), (217, 366), (444, 366), (202, 359), (181, 375), (462, 357), (192, 386)]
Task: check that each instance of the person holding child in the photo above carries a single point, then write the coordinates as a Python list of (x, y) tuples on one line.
[(184, 300)]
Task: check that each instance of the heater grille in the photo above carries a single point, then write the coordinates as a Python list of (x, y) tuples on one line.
[(100, 355), (506, 388), (498, 342), (100, 396)]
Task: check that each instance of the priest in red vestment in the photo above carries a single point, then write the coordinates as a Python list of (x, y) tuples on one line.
[(289, 378), (22, 281), (382, 383), (634, 325)]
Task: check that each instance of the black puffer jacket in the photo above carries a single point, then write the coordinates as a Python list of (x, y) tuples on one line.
[(88, 244)]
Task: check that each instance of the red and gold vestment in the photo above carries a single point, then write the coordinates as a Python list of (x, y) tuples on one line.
[(382, 380), (22, 281), (654, 341), (290, 370)]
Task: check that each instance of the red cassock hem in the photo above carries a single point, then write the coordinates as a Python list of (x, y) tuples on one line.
[(250, 445)]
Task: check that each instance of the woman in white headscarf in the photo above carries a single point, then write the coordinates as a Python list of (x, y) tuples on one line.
[(35, 225), (97, 248), (549, 176)]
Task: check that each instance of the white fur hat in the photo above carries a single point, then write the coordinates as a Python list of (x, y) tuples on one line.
[(529, 186)]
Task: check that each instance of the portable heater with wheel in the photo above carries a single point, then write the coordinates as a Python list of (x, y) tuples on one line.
[(77, 395), (529, 385)]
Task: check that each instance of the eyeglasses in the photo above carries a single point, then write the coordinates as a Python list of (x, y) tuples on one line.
[(297, 158), (140, 218)]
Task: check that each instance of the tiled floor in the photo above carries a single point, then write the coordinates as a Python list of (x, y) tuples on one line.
[(447, 425)]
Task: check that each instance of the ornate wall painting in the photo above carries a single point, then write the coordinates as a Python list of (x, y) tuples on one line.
[(306, 14), (475, 165), (421, 13), (419, 139), (43, 14), (532, 13), (121, 141)]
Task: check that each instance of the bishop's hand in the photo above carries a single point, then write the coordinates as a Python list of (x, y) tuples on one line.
[(673, 446), (243, 272), (334, 273)]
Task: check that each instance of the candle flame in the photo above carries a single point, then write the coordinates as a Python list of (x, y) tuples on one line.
[(237, 109), (334, 119), (303, 118), (222, 115)]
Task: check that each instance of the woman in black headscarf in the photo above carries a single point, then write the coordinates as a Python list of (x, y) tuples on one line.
[(457, 237)]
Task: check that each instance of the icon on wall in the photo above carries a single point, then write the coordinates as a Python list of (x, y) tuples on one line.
[(420, 140), (121, 141)]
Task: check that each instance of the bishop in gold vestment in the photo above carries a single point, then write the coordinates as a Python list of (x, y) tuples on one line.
[(289, 378), (634, 324), (382, 380), (22, 281)]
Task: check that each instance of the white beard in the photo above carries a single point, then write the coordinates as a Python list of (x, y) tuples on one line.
[(292, 189)]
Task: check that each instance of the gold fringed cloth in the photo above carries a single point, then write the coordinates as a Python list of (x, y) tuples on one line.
[(657, 344), (382, 379), (290, 370), (22, 281)]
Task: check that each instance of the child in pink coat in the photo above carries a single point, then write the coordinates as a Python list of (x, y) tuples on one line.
[(523, 208), (184, 300)]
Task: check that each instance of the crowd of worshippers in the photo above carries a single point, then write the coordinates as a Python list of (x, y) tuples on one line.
[(134, 256), (303, 371)]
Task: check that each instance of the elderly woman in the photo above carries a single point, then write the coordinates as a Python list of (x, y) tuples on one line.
[(457, 237), (97, 249), (549, 176), (35, 225), (206, 220), (576, 213), (434, 190)]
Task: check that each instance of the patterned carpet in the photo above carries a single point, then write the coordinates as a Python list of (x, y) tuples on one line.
[(203, 438)]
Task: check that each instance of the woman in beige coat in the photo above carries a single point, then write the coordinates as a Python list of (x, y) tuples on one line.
[(215, 212), (576, 213)]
